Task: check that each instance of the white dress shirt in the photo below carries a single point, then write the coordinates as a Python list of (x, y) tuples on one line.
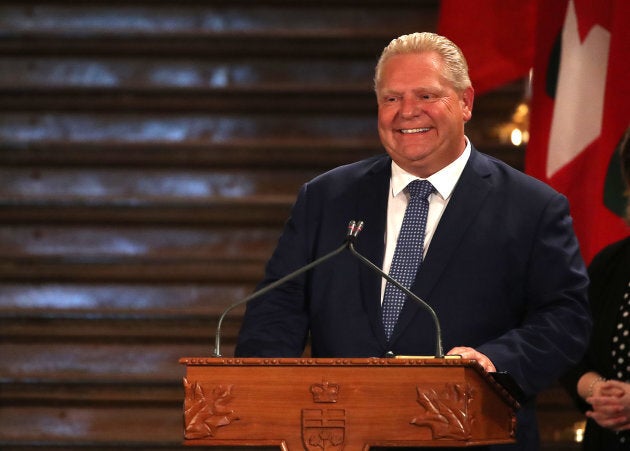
[(443, 181)]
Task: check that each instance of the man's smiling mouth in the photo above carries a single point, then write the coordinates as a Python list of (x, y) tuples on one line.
[(409, 131)]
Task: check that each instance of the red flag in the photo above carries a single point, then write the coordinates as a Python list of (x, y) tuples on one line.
[(579, 112), (496, 36)]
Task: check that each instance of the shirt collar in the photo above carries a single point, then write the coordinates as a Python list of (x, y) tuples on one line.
[(443, 180)]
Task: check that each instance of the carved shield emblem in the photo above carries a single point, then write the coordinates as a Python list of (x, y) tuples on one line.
[(323, 429)]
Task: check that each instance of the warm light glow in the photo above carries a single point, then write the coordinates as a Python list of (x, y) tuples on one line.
[(521, 113), (525, 136), (578, 429), (516, 137), (516, 130)]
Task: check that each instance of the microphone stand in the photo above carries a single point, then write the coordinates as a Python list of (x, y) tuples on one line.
[(439, 352), (271, 286), (354, 228)]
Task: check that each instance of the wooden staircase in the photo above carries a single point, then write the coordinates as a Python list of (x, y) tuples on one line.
[(149, 154)]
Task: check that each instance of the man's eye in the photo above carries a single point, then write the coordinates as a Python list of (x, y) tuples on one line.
[(429, 97)]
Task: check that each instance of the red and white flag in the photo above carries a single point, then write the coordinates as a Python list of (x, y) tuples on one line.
[(497, 37), (580, 96)]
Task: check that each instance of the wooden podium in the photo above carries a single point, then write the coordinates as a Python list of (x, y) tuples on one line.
[(351, 404)]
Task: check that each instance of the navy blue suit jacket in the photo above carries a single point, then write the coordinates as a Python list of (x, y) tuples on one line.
[(503, 273)]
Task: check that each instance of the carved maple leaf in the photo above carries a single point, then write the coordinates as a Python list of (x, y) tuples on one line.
[(444, 412), (320, 438), (205, 414)]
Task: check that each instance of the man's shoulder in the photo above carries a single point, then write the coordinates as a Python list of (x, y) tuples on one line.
[(498, 171), (353, 171)]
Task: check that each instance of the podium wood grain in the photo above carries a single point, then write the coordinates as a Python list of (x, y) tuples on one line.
[(351, 404)]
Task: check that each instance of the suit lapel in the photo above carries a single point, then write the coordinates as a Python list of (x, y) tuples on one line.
[(372, 209), (469, 194)]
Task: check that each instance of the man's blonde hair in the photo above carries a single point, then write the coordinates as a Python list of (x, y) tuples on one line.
[(454, 61)]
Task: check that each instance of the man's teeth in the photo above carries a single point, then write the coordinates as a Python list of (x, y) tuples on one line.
[(414, 130)]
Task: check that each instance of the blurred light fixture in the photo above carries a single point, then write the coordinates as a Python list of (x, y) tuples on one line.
[(516, 131), (578, 429)]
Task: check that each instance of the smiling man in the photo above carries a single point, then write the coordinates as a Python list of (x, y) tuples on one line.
[(490, 249), (421, 113)]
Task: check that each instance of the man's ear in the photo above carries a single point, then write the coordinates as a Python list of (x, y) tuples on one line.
[(468, 96)]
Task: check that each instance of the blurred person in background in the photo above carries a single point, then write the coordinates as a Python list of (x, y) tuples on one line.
[(600, 384)]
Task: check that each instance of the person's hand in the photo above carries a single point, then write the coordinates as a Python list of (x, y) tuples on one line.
[(614, 388), (473, 354), (611, 405)]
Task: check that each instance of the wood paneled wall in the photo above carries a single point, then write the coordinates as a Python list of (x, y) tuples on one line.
[(149, 154)]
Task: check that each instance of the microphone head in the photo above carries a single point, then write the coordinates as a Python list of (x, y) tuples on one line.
[(358, 228), (351, 228)]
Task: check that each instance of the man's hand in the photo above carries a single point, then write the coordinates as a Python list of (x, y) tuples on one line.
[(470, 353)]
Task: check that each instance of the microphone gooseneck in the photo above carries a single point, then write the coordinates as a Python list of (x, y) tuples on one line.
[(439, 351), (353, 230), (271, 286)]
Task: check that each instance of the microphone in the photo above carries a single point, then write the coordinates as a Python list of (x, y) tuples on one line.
[(354, 228), (439, 351)]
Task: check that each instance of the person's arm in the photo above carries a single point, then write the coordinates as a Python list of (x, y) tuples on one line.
[(276, 324), (584, 379), (588, 384), (556, 327)]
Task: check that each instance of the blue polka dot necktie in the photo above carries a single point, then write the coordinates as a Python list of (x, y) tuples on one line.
[(408, 253)]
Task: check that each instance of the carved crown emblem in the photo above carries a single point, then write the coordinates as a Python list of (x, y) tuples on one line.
[(325, 392)]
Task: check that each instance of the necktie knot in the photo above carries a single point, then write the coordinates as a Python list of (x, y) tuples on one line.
[(420, 188)]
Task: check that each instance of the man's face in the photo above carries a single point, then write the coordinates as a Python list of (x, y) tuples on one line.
[(420, 115)]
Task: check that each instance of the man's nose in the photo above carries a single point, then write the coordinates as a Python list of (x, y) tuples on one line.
[(410, 107)]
